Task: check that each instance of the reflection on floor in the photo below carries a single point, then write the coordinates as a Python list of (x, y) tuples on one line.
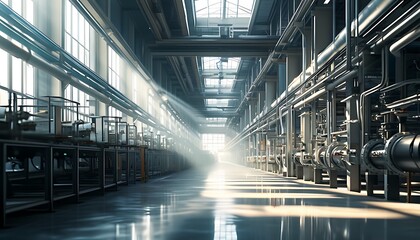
[(223, 202)]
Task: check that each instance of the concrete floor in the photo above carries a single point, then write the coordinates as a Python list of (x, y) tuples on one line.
[(224, 202)]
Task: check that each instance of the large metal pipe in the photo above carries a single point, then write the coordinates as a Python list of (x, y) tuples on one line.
[(404, 41), (310, 98), (336, 155), (363, 95), (301, 11), (348, 34), (319, 157), (352, 74), (372, 154), (402, 152), (370, 13), (401, 24)]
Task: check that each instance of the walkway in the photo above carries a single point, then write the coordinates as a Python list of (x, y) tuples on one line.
[(223, 202)]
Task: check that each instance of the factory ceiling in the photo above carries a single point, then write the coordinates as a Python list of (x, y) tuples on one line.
[(200, 51)]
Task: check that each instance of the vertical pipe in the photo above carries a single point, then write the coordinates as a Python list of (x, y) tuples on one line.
[(348, 34), (333, 20), (304, 57), (329, 116), (314, 43), (289, 143)]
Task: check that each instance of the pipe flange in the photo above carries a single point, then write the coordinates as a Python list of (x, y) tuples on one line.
[(329, 158), (317, 157), (364, 155), (388, 149)]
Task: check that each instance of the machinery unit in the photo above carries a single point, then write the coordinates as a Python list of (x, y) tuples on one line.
[(350, 107)]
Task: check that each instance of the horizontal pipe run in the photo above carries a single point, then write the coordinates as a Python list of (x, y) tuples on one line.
[(348, 76), (404, 41), (400, 84), (311, 98)]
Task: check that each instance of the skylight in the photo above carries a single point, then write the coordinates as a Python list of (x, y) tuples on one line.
[(218, 83), (212, 63), (217, 102), (216, 120), (223, 8)]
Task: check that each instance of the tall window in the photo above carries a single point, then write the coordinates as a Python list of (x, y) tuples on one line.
[(77, 43), (16, 74), (163, 115), (150, 102), (114, 77), (3, 76)]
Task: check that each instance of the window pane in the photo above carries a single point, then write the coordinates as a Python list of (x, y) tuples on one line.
[(16, 74), (3, 68)]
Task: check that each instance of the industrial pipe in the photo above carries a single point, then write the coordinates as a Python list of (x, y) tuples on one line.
[(402, 152), (348, 34), (336, 155), (319, 157), (350, 75), (412, 18), (366, 17), (372, 154), (383, 83), (404, 41)]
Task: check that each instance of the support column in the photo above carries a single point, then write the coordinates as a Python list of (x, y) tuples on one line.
[(293, 69), (353, 178), (260, 102), (317, 175), (354, 137), (392, 187), (308, 173), (270, 94), (50, 25), (322, 30), (282, 78), (371, 181), (101, 66), (333, 178), (299, 172), (290, 165)]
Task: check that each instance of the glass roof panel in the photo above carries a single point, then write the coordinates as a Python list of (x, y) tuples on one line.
[(216, 120), (211, 102), (220, 63), (214, 8), (218, 83), (239, 8)]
